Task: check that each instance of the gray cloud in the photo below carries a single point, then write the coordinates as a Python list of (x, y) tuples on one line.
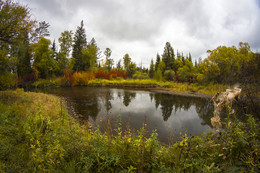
[(141, 28)]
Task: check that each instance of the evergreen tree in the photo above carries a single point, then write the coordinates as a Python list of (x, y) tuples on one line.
[(132, 69), (109, 61), (183, 59), (158, 59), (190, 57), (178, 54), (94, 43), (54, 54), (127, 61), (118, 66), (152, 69), (41, 31), (168, 56), (196, 64), (80, 42)]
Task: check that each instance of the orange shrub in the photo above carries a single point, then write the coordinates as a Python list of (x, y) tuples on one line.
[(101, 74), (82, 78)]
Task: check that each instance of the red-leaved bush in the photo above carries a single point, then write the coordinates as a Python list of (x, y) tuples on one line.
[(101, 74), (67, 80)]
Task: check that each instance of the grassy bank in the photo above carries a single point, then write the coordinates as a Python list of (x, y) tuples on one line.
[(209, 89), (37, 135)]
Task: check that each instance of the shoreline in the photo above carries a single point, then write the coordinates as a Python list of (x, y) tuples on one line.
[(172, 88), (180, 93), (154, 88)]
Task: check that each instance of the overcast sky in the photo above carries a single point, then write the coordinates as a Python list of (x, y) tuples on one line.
[(142, 27)]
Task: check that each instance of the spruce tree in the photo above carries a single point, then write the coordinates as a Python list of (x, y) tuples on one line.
[(190, 57), (98, 52), (80, 42), (127, 62), (151, 69), (109, 61), (168, 55), (54, 55), (158, 59)]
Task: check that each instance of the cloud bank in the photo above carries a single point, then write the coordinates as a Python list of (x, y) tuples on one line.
[(141, 28)]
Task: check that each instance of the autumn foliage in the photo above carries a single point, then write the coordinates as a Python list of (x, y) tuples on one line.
[(67, 79), (82, 78), (101, 74)]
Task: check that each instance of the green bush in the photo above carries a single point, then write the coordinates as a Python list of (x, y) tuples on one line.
[(139, 75), (169, 75), (158, 75), (7, 80)]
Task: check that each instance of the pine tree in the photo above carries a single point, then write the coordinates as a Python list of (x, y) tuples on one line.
[(98, 52), (109, 61), (127, 62), (92, 42), (151, 69), (54, 55), (196, 63), (158, 59), (178, 54), (41, 31), (118, 66), (168, 56), (190, 57), (80, 42)]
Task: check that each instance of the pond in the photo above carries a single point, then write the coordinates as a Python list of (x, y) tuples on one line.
[(171, 116)]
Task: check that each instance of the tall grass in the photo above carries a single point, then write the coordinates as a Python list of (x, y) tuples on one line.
[(209, 89)]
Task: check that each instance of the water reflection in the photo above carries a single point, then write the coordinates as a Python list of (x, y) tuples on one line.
[(128, 96), (167, 113)]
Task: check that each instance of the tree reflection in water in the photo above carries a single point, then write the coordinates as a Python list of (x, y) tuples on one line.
[(168, 103), (128, 96), (162, 111)]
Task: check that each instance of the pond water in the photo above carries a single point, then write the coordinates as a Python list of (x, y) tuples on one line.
[(170, 115)]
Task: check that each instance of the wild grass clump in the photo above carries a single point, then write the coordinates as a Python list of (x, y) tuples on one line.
[(37, 135), (44, 83)]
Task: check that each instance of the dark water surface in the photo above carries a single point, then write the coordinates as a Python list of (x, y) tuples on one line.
[(170, 115)]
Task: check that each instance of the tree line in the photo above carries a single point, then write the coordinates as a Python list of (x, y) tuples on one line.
[(27, 55), (226, 65)]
